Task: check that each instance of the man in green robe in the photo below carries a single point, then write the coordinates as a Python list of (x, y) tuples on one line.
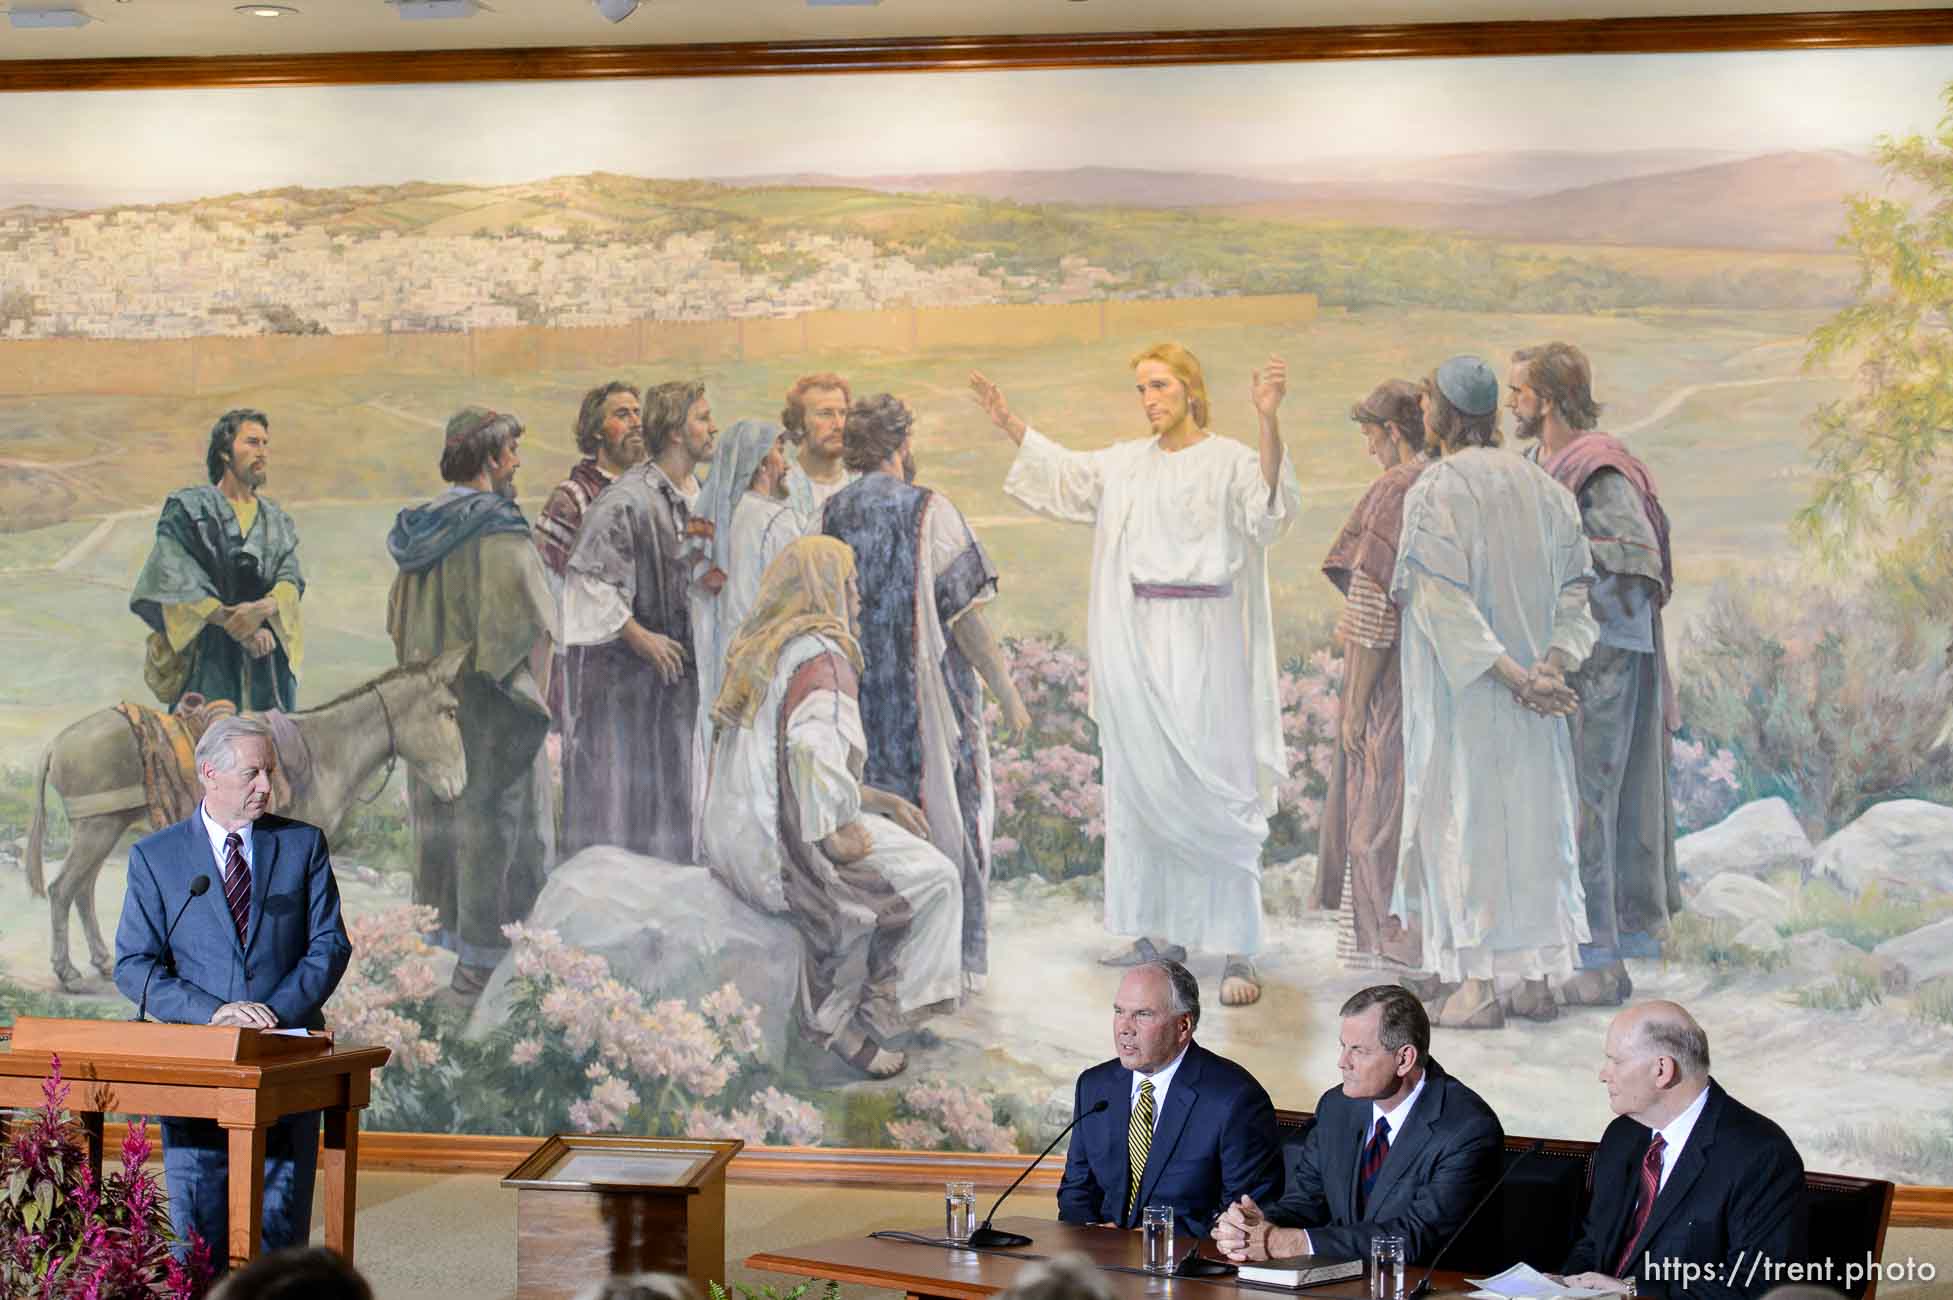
[(471, 576), (220, 591)]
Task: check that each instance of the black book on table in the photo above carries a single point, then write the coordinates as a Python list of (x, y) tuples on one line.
[(1300, 1270)]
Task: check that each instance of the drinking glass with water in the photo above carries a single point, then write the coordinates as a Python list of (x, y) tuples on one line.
[(959, 1212), (1156, 1223), (1387, 1267)]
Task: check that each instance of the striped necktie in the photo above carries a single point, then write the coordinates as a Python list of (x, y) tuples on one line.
[(237, 883), (1650, 1188), (1139, 1142), (1373, 1154)]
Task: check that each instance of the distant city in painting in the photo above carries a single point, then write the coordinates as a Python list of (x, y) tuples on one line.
[(1715, 233)]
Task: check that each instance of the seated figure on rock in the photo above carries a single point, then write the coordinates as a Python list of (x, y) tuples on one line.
[(790, 827)]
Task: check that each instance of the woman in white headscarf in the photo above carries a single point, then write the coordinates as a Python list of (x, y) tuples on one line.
[(745, 500)]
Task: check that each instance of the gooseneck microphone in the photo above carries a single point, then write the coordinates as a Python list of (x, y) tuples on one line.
[(991, 1238), (198, 888), (1423, 1288)]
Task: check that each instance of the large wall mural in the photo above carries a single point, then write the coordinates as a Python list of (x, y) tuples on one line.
[(1750, 809)]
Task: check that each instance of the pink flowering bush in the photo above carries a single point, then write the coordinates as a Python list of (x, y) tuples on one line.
[(1050, 805), (1703, 784), (1312, 711), (392, 970), (581, 1049), (64, 1237), (936, 1115)]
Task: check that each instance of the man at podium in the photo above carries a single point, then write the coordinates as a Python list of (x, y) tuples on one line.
[(263, 949)]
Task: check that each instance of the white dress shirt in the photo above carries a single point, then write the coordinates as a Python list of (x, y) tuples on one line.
[(1675, 1135), (1162, 1080), (1395, 1119), (217, 836)]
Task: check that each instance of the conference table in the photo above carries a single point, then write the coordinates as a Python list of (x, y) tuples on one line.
[(952, 1273)]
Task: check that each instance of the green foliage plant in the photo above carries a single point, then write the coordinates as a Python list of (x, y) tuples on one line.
[(830, 1290), (1879, 451)]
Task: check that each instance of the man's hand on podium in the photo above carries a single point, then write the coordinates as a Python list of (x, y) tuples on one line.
[(245, 1015)]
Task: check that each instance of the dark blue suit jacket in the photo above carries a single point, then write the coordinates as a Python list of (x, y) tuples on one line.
[(1734, 1196), (1447, 1153), (1214, 1140), (295, 946)]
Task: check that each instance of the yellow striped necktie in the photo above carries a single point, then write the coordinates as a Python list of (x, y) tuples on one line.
[(1139, 1142)]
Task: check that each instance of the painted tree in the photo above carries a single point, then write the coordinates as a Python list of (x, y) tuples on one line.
[(1882, 485)]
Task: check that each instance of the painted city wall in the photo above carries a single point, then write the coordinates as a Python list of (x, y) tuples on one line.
[(1708, 230)]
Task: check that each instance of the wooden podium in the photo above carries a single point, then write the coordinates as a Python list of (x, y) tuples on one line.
[(244, 1079), (588, 1206)]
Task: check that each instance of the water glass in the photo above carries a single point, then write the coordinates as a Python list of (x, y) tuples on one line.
[(959, 1212), (1387, 1267), (1156, 1224)]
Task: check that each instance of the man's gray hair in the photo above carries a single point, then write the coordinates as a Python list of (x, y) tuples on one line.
[(1070, 1276), (1182, 989), (218, 747), (1680, 1037)]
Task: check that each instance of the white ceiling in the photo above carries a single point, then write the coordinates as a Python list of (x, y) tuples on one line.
[(134, 28)]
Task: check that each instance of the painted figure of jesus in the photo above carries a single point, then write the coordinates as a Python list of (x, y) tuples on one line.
[(1182, 648)]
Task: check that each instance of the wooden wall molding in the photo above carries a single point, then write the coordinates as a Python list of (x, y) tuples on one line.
[(468, 1153), (1670, 35)]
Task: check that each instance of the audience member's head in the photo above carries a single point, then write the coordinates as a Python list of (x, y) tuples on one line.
[(302, 1273), (1070, 1276), (640, 1286)]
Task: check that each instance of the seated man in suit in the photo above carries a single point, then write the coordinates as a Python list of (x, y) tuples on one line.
[(1181, 1126), (1686, 1175), (1401, 1147), (263, 949)]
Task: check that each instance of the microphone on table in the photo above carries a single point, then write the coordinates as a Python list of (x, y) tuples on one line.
[(198, 888), (991, 1238), (1423, 1288)]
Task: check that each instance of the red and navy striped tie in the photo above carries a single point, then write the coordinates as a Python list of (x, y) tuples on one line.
[(237, 882), (1373, 1155), (1650, 1188)]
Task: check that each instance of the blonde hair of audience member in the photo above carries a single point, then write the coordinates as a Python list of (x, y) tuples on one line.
[(1070, 1276), (641, 1286)]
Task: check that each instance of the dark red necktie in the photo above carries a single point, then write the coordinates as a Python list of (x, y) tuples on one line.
[(1373, 1154), (237, 882), (1650, 1188)]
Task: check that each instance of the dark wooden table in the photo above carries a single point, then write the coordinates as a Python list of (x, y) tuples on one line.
[(925, 1272)]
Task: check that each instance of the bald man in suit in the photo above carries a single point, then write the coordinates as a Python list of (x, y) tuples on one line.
[(1687, 1175)]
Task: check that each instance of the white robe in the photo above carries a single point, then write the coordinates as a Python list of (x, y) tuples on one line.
[(1492, 561), (808, 497), (761, 529), (825, 751), (1184, 691)]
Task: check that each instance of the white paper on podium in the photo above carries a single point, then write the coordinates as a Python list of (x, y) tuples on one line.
[(1524, 1282)]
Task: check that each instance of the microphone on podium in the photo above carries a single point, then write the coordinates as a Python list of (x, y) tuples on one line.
[(1423, 1288), (198, 888), (990, 1238)]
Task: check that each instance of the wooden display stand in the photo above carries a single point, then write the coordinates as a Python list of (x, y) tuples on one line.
[(244, 1079), (588, 1207)]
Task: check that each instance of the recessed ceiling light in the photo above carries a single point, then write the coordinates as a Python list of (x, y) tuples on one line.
[(267, 11), (436, 8), (616, 10), (48, 18)]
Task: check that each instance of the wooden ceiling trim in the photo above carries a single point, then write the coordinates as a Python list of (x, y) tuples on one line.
[(1686, 34)]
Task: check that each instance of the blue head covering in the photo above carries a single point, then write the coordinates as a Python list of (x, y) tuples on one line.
[(739, 455)]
